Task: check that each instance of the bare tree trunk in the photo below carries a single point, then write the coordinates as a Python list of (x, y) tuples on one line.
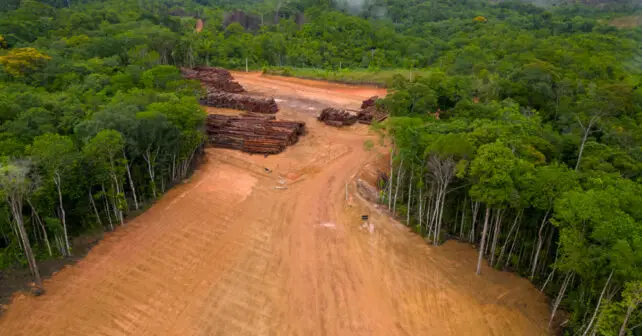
[(489, 235), (421, 201), (440, 214), (16, 209), (392, 154), (597, 308), (587, 131), (498, 229), (475, 209), (539, 244), (62, 214), (111, 225), (463, 218), (394, 202), (93, 205), (629, 310), (409, 201), (510, 232), (150, 170), (131, 181), (483, 241), (560, 295), (42, 226), (510, 253)]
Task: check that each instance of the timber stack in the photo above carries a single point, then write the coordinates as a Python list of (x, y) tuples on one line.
[(213, 78), (372, 101), (370, 111), (253, 134), (337, 117), (241, 102)]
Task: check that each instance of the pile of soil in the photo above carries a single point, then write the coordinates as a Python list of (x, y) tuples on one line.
[(253, 134)]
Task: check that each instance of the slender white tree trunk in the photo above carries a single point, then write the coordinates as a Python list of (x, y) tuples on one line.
[(510, 232), (560, 295), (539, 245), (390, 179), (93, 206), (16, 210), (629, 310), (131, 181), (475, 209), (409, 201), (597, 308), (150, 169), (394, 202), (42, 227), (498, 229), (63, 218), (421, 201), (483, 241), (106, 198)]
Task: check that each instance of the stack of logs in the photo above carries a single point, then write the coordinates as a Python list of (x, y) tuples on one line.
[(240, 102), (339, 117), (336, 117), (253, 133), (213, 78), (370, 112)]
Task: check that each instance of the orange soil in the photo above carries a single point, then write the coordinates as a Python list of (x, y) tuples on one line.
[(232, 253), (199, 25)]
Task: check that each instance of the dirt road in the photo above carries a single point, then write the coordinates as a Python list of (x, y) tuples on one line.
[(229, 253)]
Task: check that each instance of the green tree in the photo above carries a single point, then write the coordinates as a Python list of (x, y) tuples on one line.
[(56, 155)]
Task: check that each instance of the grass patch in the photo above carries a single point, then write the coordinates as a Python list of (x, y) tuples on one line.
[(626, 22), (381, 78)]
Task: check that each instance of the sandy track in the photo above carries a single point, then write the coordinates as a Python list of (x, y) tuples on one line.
[(228, 254)]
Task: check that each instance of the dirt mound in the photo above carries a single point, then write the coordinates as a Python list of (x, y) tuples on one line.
[(252, 134), (240, 102), (213, 78)]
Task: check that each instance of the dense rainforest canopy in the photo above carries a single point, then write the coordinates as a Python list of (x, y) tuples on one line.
[(535, 155)]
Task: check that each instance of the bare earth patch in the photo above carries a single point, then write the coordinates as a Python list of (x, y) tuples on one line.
[(240, 250)]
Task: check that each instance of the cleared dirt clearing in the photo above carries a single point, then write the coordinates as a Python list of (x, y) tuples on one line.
[(229, 253)]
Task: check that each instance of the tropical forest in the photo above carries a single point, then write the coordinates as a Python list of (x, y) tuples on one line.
[(514, 128)]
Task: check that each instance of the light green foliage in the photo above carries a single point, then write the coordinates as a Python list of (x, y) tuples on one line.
[(491, 171)]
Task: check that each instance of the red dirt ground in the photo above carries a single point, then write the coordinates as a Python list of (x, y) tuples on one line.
[(229, 253)]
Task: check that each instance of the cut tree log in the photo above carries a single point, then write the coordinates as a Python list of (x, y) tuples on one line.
[(253, 134), (337, 117), (213, 78), (240, 102)]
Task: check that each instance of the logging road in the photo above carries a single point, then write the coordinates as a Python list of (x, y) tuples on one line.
[(229, 253)]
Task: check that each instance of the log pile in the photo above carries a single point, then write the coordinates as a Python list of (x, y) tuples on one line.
[(367, 115), (237, 101), (370, 112), (253, 134), (372, 101), (337, 117), (213, 78)]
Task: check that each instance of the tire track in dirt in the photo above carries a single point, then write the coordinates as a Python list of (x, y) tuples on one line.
[(228, 254)]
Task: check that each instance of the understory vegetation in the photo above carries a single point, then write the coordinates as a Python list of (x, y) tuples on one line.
[(514, 127)]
